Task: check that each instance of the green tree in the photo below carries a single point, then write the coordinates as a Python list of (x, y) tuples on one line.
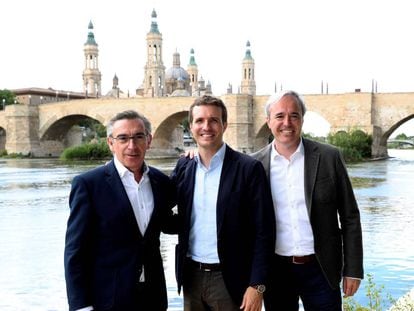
[(8, 96), (401, 136)]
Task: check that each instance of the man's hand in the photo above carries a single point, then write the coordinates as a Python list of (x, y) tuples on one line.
[(190, 153), (350, 286), (252, 300)]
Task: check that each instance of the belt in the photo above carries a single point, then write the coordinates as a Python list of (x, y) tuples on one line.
[(298, 260), (207, 267)]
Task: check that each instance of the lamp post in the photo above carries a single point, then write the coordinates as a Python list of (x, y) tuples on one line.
[(4, 103)]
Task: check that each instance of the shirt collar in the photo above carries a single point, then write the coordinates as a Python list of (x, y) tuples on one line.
[(217, 158), (300, 150), (122, 170)]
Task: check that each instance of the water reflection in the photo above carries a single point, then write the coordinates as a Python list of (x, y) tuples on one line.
[(34, 210)]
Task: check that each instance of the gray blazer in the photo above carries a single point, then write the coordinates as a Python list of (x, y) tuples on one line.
[(329, 194)]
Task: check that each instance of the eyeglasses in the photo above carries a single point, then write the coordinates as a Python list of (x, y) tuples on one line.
[(138, 138)]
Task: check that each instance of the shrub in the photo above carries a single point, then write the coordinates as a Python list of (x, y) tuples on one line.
[(377, 301), (354, 145), (89, 151)]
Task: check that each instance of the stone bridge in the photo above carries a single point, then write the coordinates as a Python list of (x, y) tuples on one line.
[(45, 130)]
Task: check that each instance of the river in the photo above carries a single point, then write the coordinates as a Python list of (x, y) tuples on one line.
[(34, 211)]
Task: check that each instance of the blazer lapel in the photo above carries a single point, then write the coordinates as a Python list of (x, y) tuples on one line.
[(311, 167), (266, 159), (189, 177), (114, 181), (156, 197), (227, 177)]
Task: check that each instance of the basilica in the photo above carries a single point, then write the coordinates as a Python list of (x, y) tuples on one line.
[(159, 82)]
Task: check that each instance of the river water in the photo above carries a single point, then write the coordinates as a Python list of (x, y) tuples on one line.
[(34, 211)]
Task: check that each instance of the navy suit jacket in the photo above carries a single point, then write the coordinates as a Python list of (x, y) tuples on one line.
[(105, 250), (245, 221), (332, 210)]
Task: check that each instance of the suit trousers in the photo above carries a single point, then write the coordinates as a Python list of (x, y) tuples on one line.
[(306, 281), (206, 291)]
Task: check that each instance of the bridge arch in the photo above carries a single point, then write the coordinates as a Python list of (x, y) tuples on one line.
[(62, 133), (315, 124), (263, 137), (394, 127), (168, 135)]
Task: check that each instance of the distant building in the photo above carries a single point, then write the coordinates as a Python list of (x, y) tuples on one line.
[(37, 96)]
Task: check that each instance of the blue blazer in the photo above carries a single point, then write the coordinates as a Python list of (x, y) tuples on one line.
[(104, 249), (332, 210), (245, 221)]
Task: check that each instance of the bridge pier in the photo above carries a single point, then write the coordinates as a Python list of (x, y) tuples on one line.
[(239, 133), (379, 144), (22, 130)]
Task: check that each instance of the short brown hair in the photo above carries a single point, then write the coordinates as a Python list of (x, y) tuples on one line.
[(207, 100)]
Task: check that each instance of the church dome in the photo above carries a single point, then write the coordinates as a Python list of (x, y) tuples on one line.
[(176, 72)]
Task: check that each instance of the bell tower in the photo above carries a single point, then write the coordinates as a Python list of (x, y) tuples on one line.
[(192, 70), (91, 74), (154, 81), (248, 84)]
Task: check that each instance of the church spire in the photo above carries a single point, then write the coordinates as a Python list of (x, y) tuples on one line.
[(248, 83), (154, 81), (91, 74), (192, 70)]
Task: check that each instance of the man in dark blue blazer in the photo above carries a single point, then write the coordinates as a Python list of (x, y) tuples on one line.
[(318, 237), (112, 257), (224, 201)]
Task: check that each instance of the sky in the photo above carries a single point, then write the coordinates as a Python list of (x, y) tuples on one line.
[(296, 44)]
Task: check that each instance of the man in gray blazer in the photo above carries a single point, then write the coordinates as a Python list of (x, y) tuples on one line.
[(318, 235)]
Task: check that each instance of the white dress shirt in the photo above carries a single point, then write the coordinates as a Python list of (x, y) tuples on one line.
[(293, 229), (203, 232), (139, 194)]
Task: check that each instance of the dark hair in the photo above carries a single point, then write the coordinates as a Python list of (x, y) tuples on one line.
[(207, 100), (128, 115)]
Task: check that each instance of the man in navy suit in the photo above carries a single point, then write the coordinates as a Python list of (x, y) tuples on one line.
[(224, 201), (318, 236), (112, 257)]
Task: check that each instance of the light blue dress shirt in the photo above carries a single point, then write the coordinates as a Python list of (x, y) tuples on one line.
[(203, 232)]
